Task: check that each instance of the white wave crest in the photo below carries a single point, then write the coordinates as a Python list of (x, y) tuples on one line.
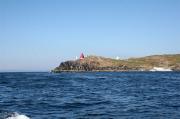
[(17, 116), (160, 69)]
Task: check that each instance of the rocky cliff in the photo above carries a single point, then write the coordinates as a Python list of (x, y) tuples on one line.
[(96, 63)]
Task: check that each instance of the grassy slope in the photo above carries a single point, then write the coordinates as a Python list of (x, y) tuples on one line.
[(143, 62)]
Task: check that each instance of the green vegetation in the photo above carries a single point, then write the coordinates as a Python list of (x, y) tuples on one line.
[(97, 63)]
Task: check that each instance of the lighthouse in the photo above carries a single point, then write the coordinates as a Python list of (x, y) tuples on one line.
[(81, 56)]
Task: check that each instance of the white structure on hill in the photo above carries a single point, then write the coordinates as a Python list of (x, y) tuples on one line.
[(117, 58)]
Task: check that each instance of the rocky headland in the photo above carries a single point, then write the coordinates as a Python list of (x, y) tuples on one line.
[(98, 63)]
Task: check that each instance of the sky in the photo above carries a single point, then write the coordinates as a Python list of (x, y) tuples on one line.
[(36, 35)]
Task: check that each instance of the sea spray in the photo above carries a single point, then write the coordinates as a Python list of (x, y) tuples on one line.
[(17, 116)]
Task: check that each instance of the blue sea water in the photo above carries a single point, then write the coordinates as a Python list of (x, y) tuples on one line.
[(93, 95)]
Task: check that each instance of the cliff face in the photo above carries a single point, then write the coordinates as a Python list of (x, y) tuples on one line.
[(96, 63)]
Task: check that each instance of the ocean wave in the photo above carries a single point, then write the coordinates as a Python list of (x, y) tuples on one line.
[(160, 69), (16, 115)]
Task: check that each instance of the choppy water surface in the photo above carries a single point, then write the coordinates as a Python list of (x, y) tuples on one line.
[(125, 95)]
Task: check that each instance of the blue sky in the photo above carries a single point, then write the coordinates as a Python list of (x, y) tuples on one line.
[(36, 35)]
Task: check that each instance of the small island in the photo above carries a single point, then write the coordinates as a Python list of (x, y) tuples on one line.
[(98, 63)]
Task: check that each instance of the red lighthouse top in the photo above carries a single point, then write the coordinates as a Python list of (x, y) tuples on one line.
[(81, 56)]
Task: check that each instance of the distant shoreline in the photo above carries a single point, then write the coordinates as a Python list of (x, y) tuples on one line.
[(102, 64), (75, 71)]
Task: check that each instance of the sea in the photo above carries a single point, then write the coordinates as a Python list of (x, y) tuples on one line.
[(90, 95)]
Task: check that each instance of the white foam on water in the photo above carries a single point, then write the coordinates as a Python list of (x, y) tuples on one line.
[(17, 116), (160, 69)]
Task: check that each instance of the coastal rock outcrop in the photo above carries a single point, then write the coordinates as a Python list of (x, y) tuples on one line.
[(96, 63)]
